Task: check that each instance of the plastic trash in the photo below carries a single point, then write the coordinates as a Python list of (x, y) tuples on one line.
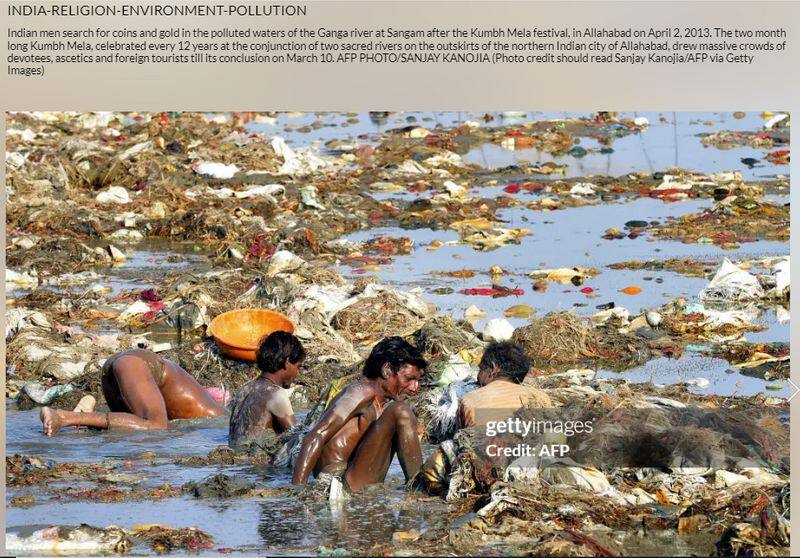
[(135, 150), (775, 120), (583, 189), (267, 191), (454, 190), (781, 273), (215, 170), (117, 255), (19, 319), (486, 291), (731, 284), (16, 160), (654, 318), (726, 479), (296, 162), (498, 329), (698, 382), (587, 478), (25, 135), (127, 235), (283, 261), (456, 369), (308, 195), (410, 166), (44, 395), (135, 309), (63, 539), (115, 194), (473, 312), (519, 311), (21, 280), (441, 405), (631, 290), (447, 158)]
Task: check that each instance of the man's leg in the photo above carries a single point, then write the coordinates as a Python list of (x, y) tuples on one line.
[(394, 431), (136, 389)]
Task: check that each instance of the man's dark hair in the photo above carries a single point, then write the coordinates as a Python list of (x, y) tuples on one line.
[(274, 349), (395, 351), (509, 358)]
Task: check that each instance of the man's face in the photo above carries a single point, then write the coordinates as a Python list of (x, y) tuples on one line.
[(292, 369), (402, 384)]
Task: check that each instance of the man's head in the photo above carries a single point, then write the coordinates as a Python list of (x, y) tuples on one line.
[(503, 360), (398, 364), (280, 354)]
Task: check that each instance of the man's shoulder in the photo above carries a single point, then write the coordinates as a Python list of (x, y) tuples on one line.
[(359, 394), (253, 389)]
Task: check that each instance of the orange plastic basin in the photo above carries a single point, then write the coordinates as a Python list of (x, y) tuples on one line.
[(238, 332)]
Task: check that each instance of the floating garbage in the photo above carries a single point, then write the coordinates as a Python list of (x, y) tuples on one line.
[(215, 170), (68, 540), (498, 330), (631, 290), (731, 283), (20, 280)]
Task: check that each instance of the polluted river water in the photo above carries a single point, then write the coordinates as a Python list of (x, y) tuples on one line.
[(284, 524)]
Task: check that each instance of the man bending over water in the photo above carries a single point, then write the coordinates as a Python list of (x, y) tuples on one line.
[(143, 391), (368, 422), (263, 404)]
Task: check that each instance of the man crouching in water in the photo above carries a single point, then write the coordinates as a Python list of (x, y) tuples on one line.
[(143, 391), (263, 404), (359, 433)]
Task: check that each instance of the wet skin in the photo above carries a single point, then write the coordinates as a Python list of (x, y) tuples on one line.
[(136, 400), (264, 404), (354, 438)]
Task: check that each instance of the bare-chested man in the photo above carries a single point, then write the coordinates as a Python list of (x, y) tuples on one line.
[(263, 404), (368, 422), (143, 391)]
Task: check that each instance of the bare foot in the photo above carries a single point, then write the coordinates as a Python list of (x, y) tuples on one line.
[(51, 420)]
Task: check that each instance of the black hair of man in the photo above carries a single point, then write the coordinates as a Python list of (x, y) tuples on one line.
[(275, 348), (509, 358), (394, 351)]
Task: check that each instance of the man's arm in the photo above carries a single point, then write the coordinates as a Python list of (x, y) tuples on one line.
[(466, 415), (341, 410), (282, 412)]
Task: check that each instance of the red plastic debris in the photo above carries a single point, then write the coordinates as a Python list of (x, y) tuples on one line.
[(532, 186), (149, 295), (261, 248), (780, 157), (587, 290), (491, 292), (512, 188), (667, 192)]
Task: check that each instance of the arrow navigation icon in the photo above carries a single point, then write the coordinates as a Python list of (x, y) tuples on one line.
[(796, 389)]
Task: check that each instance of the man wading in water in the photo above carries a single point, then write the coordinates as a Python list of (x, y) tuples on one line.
[(143, 391), (263, 405), (357, 437)]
